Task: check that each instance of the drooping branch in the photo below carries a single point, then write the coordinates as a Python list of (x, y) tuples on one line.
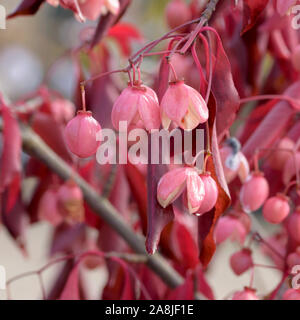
[(35, 146)]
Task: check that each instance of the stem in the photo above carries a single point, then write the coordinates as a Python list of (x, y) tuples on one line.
[(292, 101), (173, 71), (210, 8), (83, 97), (35, 146)]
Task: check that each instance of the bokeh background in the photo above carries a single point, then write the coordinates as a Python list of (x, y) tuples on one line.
[(29, 49)]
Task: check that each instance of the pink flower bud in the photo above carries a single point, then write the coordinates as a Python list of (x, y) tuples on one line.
[(211, 194), (254, 192), (70, 202), (177, 13), (138, 106), (246, 294), (291, 294), (294, 225), (278, 157), (230, 227), (183, 105), (81, 134), (172, 184), (276, 209), (293, 259), (289, 170), (47, 209), (241, 261)]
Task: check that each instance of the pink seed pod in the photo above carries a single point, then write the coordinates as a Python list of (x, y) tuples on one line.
[(278, 157), (293, 259), (289, 170), (172, 184), (234, 164), (211, 194), (291, 294), (296, 58), (276, 209), (70, 202), (63, 110), (230, 228), (293, 225), (246, 294), (138, 106), (47, 209), (81, 134), (184, 106), (177, 12), (254, 192), (241, 261)]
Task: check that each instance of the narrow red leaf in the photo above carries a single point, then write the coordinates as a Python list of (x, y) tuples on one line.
[(274, 123), (26, 7), (184, 291), (71, 289), (224, 91), (251, 12), (11, 155)]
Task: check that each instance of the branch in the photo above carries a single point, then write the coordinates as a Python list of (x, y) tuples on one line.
[(35, 146)]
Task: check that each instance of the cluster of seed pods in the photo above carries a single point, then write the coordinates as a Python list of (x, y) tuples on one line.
[(254, 194)]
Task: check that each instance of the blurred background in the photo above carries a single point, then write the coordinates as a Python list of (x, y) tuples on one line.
[(29, 47)]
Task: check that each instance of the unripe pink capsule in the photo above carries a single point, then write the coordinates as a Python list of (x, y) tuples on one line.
[(230, 227), (241, 261), (291, 294), (70, 202), (81, 134), (294, 225), (177, 13), (279, 157), (246, 294), (293, 259), (276, 209), (254, 192), (290, 167), (211, 194)]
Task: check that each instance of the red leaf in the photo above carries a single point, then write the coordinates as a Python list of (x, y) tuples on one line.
[(158, 217), (187, 246), (224, 91), (123, 33), (119, 286), (273, 125), (207, 222), (203, 285), (251, 12), (11, 156), (139, 191), (27, 7), (184, 291), (42, 124), (107, 21), (71, 289)]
